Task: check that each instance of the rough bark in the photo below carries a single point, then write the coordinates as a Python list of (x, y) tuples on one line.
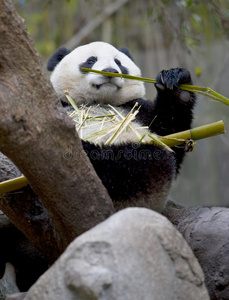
[(37, 136)]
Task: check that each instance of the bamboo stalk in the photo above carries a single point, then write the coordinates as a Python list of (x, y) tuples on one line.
[(171, 140), (196, 133), (206, 91), (131, 77), (13, 184)]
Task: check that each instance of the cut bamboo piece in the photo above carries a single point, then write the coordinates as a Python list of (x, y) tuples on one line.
[(13, 184), (196, 133)]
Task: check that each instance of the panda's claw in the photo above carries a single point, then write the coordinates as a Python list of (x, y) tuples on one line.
[(162, 79), (171, 79)]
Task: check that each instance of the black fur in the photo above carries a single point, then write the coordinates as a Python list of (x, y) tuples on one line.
[(89, 63), (56, 57), (129, 169), (123, 69), (126, 51), (168, 113)]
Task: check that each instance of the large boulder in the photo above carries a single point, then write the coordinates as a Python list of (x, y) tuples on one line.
[(135, 254), (206, 231)]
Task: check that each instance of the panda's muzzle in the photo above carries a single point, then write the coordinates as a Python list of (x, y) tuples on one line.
[(107, 83), (107, 80)]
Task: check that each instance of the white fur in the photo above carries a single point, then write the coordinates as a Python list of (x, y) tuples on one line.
[(82, 87)]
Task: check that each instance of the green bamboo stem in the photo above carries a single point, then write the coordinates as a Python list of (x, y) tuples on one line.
[(13, 184), (195, 134), (171, 140), (206, 91), (120, 75)]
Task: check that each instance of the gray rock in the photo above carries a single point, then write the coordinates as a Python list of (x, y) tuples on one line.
[(135, 254), (207, 232), (8, 281), (17, 296)]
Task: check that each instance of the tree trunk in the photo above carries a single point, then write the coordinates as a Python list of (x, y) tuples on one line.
[(37, 136)]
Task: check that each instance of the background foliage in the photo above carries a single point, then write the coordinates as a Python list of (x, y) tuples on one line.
[(160, 35)]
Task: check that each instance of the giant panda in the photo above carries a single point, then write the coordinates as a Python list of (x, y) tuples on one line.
[(134, 174)]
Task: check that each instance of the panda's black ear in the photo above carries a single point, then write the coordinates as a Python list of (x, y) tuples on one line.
[(126, 51), (56, 57)]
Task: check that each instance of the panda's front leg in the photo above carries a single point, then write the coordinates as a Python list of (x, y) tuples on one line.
[(134, 174), (173, 107)]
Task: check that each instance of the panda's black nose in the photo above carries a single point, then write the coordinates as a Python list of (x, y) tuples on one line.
[(109, 70)]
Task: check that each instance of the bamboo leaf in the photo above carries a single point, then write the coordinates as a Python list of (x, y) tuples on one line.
[(159, 142), (126, 121), (71, 101)]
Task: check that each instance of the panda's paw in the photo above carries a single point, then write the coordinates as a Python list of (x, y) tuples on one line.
[(169, 81)]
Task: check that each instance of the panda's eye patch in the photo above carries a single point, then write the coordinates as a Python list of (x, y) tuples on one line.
[(118, 62), (123, 69), (88, 63), (91, 60)]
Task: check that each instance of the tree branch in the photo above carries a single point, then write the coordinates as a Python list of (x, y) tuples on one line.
[(37, 136)]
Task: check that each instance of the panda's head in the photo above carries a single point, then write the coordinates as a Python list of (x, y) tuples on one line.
[(91, 87)]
